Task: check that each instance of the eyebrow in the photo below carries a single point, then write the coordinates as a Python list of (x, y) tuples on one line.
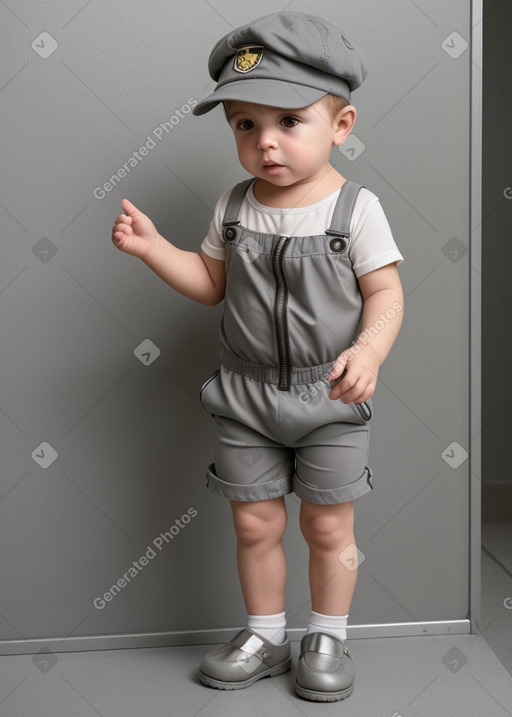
[(237, 112), (284, 112)]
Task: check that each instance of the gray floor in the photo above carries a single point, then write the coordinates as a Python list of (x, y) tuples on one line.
[(456, 676)]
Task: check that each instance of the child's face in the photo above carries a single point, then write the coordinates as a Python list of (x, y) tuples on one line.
[(281, 146)]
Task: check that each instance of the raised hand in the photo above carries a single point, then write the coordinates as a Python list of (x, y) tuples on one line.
[(134, 232)]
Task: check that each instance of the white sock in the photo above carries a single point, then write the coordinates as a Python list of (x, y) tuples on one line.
[(271, 627), (332, 624)]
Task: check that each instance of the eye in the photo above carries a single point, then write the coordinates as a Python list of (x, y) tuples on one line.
[(245, 125), (290, 121)]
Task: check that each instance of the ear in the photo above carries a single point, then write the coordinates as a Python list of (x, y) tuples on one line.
[(343, 124)]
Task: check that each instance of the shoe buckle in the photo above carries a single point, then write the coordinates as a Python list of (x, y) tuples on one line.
[(254, 646), (251, 644)]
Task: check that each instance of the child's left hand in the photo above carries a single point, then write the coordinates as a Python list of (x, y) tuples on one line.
[(354, 375)]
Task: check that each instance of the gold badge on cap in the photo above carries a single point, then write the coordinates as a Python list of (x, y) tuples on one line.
[(247, 58)]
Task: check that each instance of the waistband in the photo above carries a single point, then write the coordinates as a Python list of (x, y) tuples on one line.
[(270, 374)]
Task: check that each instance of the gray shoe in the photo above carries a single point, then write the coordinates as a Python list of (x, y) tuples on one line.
[(325, 672), (247, 658)]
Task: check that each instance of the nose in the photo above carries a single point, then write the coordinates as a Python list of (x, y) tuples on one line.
[(266, 140)]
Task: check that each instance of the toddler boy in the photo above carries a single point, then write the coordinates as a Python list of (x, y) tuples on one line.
[(307, 267)]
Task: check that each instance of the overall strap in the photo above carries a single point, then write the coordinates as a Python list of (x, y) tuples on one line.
[(340, 221), (234, 202)]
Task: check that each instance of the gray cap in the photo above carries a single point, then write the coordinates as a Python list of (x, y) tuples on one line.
[(287, 59)]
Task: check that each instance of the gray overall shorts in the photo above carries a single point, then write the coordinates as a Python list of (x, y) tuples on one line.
[(292, 305)]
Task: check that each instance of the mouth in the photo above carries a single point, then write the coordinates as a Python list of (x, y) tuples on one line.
[(272, 167)]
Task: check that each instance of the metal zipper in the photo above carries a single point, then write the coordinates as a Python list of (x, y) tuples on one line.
[(281, 323)]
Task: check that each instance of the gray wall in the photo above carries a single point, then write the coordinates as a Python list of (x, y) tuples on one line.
[(125, 430)]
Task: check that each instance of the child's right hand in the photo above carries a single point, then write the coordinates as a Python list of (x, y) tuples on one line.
[(134, 232)]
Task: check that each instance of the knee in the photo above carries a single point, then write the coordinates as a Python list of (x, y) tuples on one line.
[(259, 526), (326, 531)]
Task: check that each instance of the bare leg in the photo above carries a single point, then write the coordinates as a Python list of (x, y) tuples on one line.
[(328, 530), (261, 561)]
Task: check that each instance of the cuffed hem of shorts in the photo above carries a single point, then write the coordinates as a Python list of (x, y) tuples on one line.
[(332, 496), (274, 488)]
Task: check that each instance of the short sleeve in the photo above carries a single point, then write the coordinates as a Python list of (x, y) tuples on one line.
[(371, 244), (213, 244)]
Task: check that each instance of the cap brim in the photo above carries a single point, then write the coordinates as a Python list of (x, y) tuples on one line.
[(274, 93)]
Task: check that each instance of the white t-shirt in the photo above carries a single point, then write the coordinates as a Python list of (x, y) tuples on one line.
[(371, 244)]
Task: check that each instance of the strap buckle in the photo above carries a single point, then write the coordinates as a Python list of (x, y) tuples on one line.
[(252, 644), (335, 233)]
